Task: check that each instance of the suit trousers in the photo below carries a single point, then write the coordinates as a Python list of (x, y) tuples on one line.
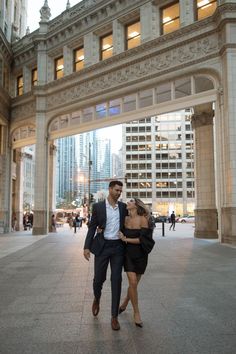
[(113, 253)]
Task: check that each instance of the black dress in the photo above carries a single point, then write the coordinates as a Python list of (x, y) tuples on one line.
[(135, 257)]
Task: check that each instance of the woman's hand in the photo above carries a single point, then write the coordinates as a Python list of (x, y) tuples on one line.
[(122, 237)]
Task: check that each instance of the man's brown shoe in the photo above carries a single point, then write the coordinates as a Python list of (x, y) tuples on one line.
[(115, 324), (95, 307)]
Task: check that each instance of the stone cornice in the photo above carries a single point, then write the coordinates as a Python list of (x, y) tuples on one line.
[(68, 31), (147, 51), (156, 65)]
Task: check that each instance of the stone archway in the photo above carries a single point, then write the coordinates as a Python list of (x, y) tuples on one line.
[(184, 92)]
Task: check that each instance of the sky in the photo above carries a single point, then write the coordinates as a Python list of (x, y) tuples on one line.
[(57, 7)]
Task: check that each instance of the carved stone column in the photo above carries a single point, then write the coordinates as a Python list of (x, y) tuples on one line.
[(187, 11), (150, 21), (6, 187), (228, 139), (40, 226), (18, 192), (68, 60), (52, 181), (91, 49), (118, 31), (205, 212)]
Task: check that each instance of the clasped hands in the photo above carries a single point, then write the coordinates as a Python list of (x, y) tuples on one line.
[(122, 237)]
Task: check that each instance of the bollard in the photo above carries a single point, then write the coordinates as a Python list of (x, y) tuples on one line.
[(163, 228)]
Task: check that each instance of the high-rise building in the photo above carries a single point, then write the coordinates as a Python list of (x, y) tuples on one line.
[(28, 154), (158, 160), (13, 17), (66, 177)]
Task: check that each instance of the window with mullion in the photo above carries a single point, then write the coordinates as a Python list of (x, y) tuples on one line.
[(170, 18), (20, 85), (133, 35), (59, 68), (205, 8), (79, 59), (106, 47)]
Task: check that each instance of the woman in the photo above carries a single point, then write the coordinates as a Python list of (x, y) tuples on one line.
[(137, 236)]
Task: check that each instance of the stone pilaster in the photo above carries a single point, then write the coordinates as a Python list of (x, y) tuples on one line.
[(6, 192), (118, 31), (52, 181), (27, 79), (150, 22), (40, 226), (68, 60), (187, 11), (18, 195), (228, 137), (91, 49), (205, 212)]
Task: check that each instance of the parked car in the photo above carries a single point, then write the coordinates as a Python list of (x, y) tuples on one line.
[(187, 219), (161, 218)]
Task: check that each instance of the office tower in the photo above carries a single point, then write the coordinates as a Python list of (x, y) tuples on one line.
[(158, 161), (28, 155), (13, 15), (66, 183)]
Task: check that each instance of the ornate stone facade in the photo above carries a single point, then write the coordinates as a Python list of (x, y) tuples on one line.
[(202, 53)]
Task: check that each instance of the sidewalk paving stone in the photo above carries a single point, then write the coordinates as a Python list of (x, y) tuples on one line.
[(187, 297)]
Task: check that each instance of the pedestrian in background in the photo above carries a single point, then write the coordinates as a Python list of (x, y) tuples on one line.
[(172, 220)]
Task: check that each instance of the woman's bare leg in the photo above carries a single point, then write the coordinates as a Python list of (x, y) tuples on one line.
[(133, 295), (127, 298)]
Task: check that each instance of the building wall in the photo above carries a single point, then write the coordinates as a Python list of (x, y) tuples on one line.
[(13, 16), (158, 162)]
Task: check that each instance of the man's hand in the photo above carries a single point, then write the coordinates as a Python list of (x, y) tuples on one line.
[(87, 254)]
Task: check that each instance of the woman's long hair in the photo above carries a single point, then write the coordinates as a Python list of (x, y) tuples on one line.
[(142, 209)]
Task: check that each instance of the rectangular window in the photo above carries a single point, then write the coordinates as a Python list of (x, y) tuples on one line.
[(34, 77), (59, 68), (106, 47), (133, 38), (170, 18), (78, 59), (20, 85), (205, 8)]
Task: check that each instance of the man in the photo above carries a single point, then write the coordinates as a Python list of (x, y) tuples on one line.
[(172, 219), (107, 220)]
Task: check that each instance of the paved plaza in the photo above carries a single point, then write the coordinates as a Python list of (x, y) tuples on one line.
[(187, 297)]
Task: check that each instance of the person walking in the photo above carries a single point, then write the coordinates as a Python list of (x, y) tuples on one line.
[(139, 242), (77, 222), (172, 220), (107, 220), (53, 223)]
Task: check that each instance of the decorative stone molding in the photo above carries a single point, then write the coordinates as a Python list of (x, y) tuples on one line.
[(45, 12), (23, 110), (23, 132), (156, 65), (201, 119)]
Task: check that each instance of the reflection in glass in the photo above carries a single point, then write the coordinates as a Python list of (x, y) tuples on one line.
[(205, 8), (106, 47), (133, 35), (59, 68), (170, 18), (78, 59)]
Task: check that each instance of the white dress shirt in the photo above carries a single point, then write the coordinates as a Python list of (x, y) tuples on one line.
[(112, 229)]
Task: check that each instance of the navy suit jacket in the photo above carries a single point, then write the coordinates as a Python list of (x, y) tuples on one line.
[(98, 220)]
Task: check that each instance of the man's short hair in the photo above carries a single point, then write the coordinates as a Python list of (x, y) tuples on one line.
[(113, 183)]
